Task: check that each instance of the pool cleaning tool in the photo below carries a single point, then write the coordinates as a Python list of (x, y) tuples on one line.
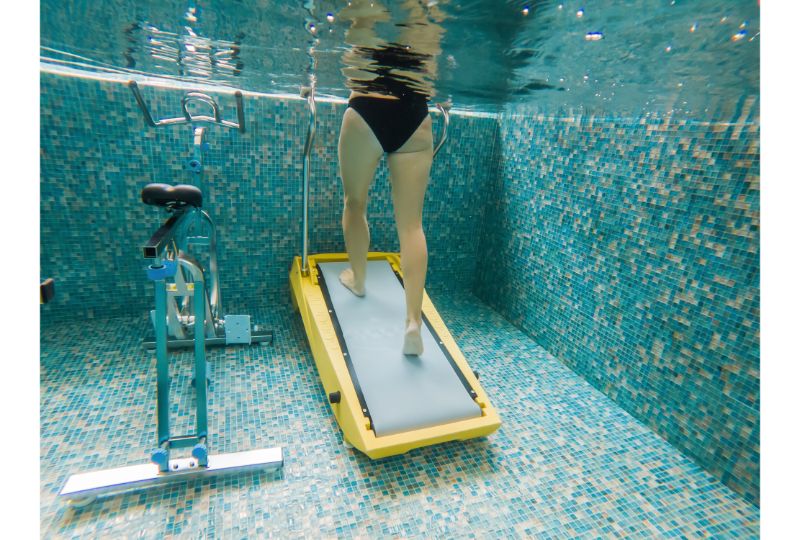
[(386, 403)]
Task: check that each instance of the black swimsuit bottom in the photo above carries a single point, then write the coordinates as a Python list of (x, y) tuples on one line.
[(393, 121)]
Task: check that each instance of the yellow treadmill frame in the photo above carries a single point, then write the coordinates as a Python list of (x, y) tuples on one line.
[(308, 299)]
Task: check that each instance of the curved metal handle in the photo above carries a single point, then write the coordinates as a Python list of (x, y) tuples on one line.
[(148, 118), (203, 98), (445, 110), (187, 117)]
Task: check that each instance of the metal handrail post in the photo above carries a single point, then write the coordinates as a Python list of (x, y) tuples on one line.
[(308, 93)]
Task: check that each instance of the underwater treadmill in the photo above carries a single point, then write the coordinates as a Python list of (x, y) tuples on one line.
[(385, 402)]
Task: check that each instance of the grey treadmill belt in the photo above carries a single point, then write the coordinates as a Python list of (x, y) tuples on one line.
[(401, 392)]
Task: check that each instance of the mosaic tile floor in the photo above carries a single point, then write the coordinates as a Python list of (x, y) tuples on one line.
[(566, 463)]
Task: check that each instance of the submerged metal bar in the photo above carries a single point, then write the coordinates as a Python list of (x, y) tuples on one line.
[(142, 105), (200, 359), (239, 110), (162, 363), (188, 118), (214, 291), (204, 98), (83, 487), (256, 336), (308, 93), (163, 236), (445, 110)]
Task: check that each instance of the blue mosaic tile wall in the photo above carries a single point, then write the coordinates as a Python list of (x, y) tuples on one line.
[(629, 249), (97, 154), (626, 248)]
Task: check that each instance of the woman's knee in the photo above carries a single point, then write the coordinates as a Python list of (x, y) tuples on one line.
[(355, 204), (411, 232)]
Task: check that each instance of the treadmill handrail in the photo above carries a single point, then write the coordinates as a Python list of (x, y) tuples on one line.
[(308, 93), (445, 110)]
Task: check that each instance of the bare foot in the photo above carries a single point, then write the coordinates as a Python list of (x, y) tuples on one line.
[(412, 345), (347, 279)]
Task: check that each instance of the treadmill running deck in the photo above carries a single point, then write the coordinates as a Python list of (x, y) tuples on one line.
[(401, 392)]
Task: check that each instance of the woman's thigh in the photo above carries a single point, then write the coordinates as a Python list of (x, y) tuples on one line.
[(409, 172), (359, 155)]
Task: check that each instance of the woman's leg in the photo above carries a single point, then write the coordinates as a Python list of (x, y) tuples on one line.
[(359, 154), (409, 169)]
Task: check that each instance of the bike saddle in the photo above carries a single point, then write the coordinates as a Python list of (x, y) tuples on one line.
[(172, 196)]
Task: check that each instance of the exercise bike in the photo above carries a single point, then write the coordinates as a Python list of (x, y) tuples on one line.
[(188, 313)]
